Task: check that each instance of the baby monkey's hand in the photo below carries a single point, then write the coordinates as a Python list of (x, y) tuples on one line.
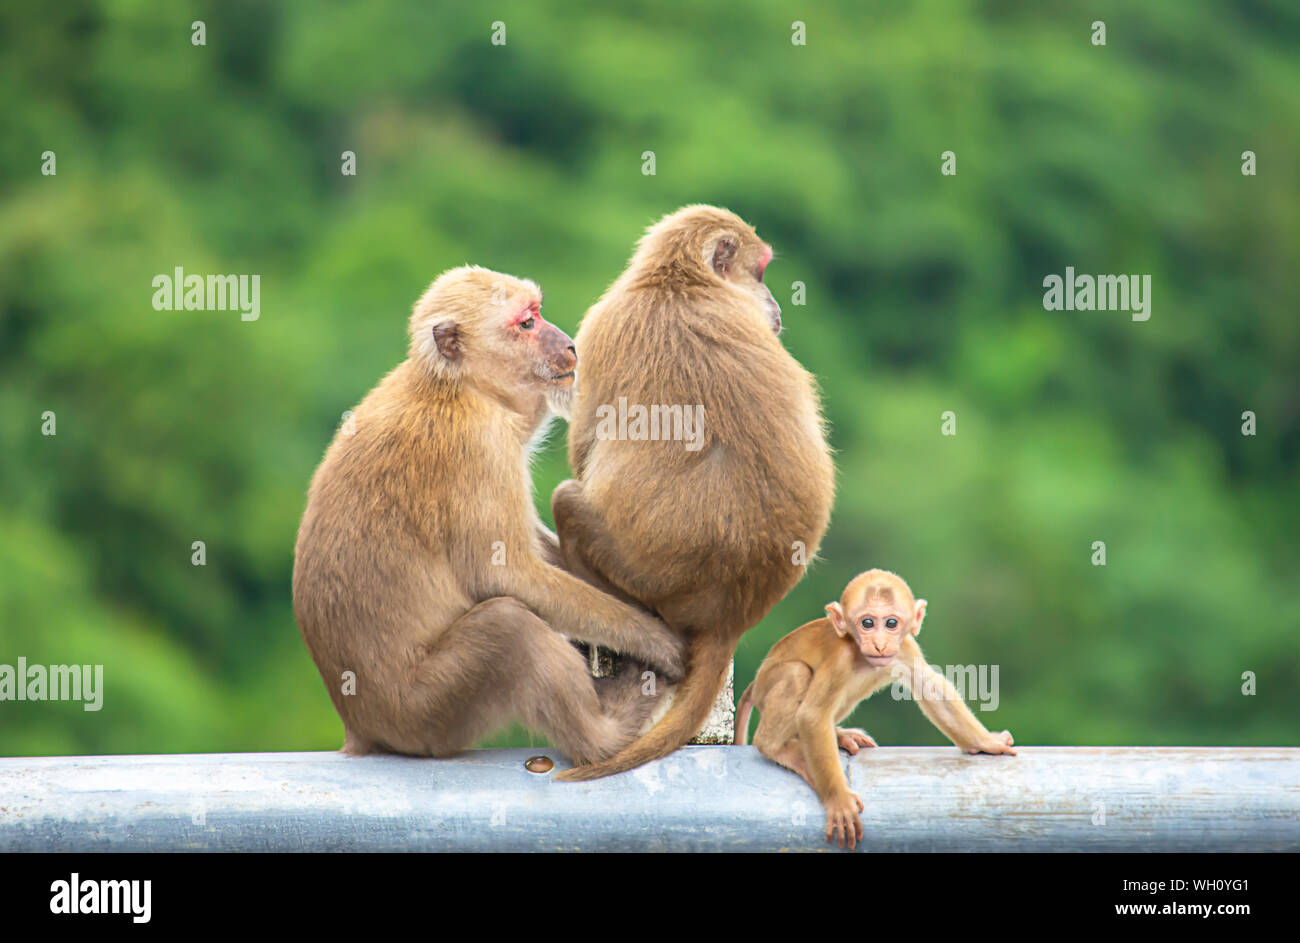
[(843, 821), (994, 743)]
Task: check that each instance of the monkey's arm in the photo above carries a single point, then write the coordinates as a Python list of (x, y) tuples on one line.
[(815, 720), (583, 612), (944, 708)]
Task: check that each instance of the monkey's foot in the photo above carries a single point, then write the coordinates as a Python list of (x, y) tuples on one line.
[(853, 738)]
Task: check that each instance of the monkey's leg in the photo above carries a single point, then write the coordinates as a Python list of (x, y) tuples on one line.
[(790, 755), (500, 661), (625, 695), (574, 563), (777, 727), (581, 534)]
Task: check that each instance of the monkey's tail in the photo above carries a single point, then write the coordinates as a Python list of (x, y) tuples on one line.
[(744, 707), (691, 703)]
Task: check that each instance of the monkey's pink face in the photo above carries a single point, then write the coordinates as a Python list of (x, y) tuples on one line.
[(751, 281), (764, 294), (489, 328), (548, 350), (877, 626), (543, 356)]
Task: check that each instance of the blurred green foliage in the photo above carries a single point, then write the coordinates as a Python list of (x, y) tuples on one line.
[(923, 295)]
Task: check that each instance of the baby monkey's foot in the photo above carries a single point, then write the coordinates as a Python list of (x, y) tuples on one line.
[(853, 738)]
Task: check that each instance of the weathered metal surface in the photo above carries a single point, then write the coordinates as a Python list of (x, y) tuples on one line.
[(702, 798)]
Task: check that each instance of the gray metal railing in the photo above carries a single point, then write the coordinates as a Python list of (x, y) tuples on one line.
[(702, 798)]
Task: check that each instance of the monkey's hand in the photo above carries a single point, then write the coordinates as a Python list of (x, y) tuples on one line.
[(994, 743), (843, 819), (853, 739), (659, 647)]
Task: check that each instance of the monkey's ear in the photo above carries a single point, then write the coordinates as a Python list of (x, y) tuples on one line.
[(446, 336), (724, 253), (920, 615), (836, 615)]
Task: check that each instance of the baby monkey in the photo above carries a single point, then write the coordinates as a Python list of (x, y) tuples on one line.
[(814, 677)]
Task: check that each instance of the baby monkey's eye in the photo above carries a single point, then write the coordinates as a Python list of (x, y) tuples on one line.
[(527, 325), (868, 623), (891, 623)]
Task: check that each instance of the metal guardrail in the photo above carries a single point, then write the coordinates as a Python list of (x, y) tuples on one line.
[(702, 798)]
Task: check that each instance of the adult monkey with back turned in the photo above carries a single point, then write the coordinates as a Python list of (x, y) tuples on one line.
[(710, 539)]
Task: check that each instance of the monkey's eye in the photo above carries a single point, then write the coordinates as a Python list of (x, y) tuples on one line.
[(527, 325), (891, 623), (868, 623)]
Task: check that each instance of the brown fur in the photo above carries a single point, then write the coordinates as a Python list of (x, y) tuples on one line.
[(395, 574), (813, 678), (705, 538)]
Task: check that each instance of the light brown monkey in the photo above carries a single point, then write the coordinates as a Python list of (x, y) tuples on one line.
[(421, 563), (814, 677), (711, 532)]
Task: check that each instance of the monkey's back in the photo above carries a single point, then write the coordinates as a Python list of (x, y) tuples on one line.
[(730, 519), (372, 580), (805, 644)]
